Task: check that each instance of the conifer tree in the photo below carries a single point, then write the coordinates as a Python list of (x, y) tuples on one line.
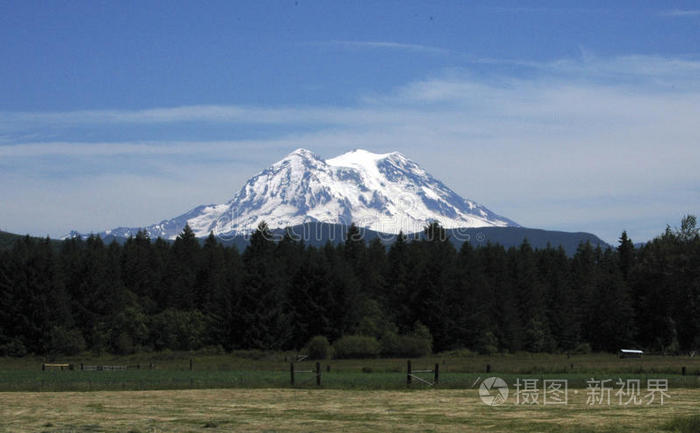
[(434, 283), (625, 251), (355, 248), (397, 274), (310, 300), (264, 322), (183, 267)]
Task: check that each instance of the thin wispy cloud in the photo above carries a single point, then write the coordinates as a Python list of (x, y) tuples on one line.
[(544, 10), (681, 13), (643, 73), (384, 45), (206, 114), (192, 113)]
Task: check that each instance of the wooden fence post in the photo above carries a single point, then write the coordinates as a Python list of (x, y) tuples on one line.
[(437, 373), (683, 371), (318, 374), (291, 372), (408, 373), (190, 365), (43, 367)]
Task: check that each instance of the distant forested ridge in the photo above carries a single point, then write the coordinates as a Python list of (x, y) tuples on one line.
[(144, 294), (317, 234)]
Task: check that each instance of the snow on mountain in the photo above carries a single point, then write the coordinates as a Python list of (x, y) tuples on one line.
[(383, 192)]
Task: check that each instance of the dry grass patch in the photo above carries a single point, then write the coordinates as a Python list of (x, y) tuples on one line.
[(288, 410)]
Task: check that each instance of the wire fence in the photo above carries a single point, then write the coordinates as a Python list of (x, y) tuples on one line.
[(295, 375)]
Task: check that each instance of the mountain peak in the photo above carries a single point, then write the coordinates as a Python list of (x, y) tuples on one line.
[(362, 156), (304, 153), (385, 192), (362, 153), (358, 158)]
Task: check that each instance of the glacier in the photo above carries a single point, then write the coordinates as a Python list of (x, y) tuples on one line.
[(387, 193)]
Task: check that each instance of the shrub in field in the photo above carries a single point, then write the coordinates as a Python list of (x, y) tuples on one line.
[(538, 337), (488, 344), (458, 353), (318, 347), (211, 350), (356, 346), (405, 345), (418, 343), (390, 344), (65, 341), (582, 349), (124, 344), (374, 321), (421, 331), (13, 348), (127, 332), (414, 346), (178, 330), (166, 355), (254, 354)]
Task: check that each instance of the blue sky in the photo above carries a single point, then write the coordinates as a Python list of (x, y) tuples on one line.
[(577, 116)]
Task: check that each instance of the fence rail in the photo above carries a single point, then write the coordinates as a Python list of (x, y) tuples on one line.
[(413, 374), (46, 365), (104, 367), (308, 374), (316, 374)]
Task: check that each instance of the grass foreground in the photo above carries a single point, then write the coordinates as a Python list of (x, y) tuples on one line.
[(458, 370), (297, 410)]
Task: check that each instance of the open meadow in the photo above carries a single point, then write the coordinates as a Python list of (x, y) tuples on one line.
[(251, 391), (459, 370), (289, 410)]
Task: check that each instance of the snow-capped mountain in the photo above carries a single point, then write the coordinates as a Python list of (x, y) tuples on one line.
[(383, 192)]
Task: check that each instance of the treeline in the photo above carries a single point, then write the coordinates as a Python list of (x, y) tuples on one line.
[(184, 295)]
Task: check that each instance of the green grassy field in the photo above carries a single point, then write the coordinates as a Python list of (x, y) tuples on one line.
[(265, 370), (165, 379), (458, 362), (251, 391)]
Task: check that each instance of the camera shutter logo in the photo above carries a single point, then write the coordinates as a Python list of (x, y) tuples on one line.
[(493, 391)]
